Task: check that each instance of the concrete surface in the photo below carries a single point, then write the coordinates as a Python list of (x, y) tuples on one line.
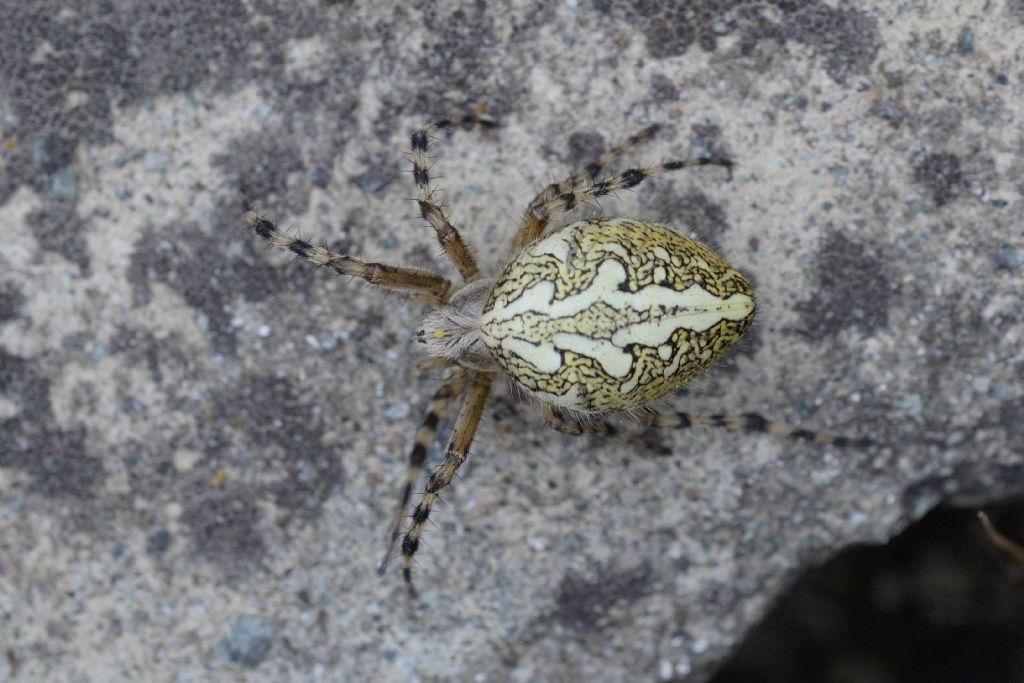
[(201, 443)]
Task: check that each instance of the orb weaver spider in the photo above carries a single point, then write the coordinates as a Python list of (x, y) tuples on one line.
[(597, 318)]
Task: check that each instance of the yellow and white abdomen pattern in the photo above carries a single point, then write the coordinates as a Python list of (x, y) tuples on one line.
[(609, 314)]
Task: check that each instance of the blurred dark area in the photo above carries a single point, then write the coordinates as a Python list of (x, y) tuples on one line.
[(940, 603)]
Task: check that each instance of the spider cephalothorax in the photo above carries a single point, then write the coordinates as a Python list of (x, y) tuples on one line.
[(601, 316), (452, 331)]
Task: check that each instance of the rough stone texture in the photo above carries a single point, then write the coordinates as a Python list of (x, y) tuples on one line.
[(201, 444)]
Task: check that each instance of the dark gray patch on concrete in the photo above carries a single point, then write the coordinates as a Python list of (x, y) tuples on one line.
[(586, 610), (424, 254), (845, 39), (460, 64), (939, 173), (249, 640), (158, 542), (1011, 418), (583, 148), (224, 529), (194, 263), (320, 177), (937, 123), (86, 51), (1006, 257), (57, 228), (588, 606), (663, 89), (696, 212), (852, 290), (380, 172), (11, 300), (260, 165), (890, 110), (965, 41), (53, 174), (458, 39), (706, 141), (283, 434), (670, 28), (54, 458), (142, 348), (50, 153), (939, 126), (48, 51)]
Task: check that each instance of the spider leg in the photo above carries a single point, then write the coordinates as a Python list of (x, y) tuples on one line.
[(553, 206), (422, 284), (598, 424), (559, 421), (755, 422), (452, 387), (591, 171), (451, 241), (441, 477), (532, 224)]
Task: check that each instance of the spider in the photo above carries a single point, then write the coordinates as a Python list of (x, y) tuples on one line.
[(599, 318)]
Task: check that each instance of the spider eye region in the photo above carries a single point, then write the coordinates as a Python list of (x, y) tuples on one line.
[(610, 314)]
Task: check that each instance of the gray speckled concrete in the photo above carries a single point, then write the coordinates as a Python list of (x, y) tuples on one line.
[(200, 443)]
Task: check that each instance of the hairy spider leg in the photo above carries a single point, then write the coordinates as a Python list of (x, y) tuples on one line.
[(455, 454), (753, 422), (576, 425), (740, 422), (453, 386), (423, 285), (532, 223), (554, 206), (454, 246)]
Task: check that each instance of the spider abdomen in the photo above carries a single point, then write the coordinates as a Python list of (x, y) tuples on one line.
[(610, 314)]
